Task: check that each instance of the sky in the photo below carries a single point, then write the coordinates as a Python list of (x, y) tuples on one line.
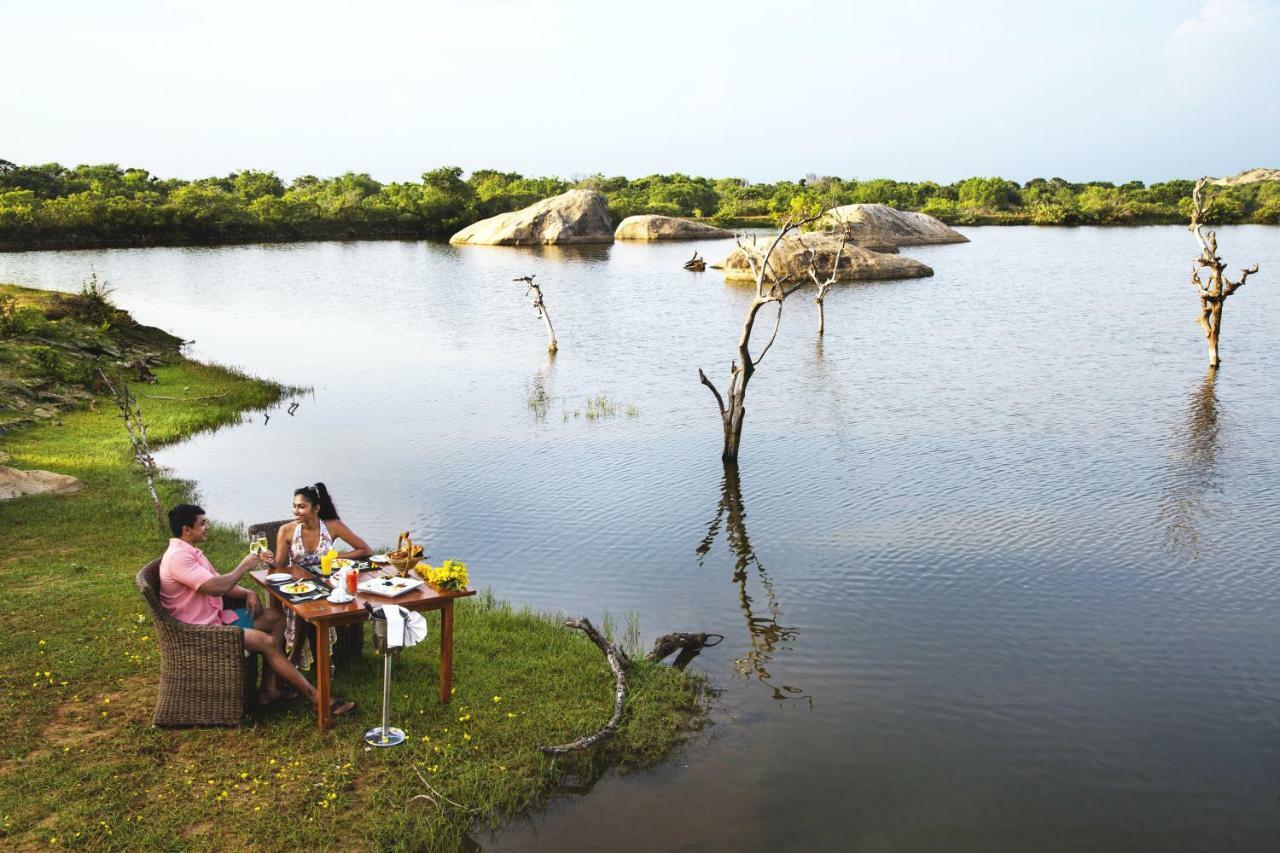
[(912, 90)]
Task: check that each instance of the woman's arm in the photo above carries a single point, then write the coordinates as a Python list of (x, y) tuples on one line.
[(284, 537), (359, 548)]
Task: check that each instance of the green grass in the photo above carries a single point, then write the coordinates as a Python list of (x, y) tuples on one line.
[(80, 764)]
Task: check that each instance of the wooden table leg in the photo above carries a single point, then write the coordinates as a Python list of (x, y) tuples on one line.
[(446, 652), (323, 688)]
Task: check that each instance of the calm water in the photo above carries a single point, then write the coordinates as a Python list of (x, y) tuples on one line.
[(998, 573)]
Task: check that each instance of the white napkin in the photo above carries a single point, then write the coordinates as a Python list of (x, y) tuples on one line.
[(415, 628), (395, 625), (405, 628)]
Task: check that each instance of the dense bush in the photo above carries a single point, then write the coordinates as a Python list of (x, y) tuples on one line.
[(53, 206)]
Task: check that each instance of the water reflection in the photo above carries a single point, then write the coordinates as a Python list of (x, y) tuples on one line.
[(768, 635), (1195, 471), (539, 399)]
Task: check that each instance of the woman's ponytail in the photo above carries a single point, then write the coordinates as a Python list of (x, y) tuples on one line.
[(327, 511)]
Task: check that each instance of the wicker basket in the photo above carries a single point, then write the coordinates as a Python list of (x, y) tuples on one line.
[(404, 564)]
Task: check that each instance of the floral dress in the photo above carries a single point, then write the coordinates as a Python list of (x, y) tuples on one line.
[(297, 649)]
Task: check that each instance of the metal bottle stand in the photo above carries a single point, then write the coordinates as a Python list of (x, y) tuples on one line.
[(385, 734)]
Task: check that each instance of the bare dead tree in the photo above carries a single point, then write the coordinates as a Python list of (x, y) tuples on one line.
[(769, 288), (696, 264), (1214, 292), (824, 285), (541, 308), (136, 426)]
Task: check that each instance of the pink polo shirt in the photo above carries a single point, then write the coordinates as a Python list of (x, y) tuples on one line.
[(183, 568)]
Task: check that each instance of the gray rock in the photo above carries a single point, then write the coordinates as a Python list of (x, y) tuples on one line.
[(1252, 176), (653, 227), (790, 261), (577, 216), (878, 223), (17, 484), (42, 412)]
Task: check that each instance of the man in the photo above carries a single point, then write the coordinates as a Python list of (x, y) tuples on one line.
[(192, 591)]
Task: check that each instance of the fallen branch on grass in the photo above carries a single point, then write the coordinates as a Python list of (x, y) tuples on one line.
[(433, 800), (615, 658), (689, 644)]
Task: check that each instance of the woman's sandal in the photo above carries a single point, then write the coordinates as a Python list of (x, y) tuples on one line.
[(338, 707)]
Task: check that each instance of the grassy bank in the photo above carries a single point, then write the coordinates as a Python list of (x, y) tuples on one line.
[(81, 765)]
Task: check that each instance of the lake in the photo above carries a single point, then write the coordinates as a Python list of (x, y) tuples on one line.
[(996, 572)]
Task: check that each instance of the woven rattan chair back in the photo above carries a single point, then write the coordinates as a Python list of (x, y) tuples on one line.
[(205, 677)]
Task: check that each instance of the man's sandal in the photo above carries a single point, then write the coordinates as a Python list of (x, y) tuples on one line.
[(338, 707)]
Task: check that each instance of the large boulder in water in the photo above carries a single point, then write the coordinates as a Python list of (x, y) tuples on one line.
[(790, 260), (880, 223), (577, 216), (17, 484), (653, 227)]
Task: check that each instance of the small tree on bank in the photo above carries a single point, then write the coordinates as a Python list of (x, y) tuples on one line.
[(1214, 292)]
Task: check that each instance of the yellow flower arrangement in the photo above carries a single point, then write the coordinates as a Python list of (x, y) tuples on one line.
[(451, 574)]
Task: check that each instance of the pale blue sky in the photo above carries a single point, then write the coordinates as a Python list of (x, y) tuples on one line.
[(914, 89)]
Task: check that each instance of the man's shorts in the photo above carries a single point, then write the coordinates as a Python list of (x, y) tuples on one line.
[(244, 619)]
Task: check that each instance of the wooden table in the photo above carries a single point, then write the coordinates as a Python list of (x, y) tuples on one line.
[(324, 615)]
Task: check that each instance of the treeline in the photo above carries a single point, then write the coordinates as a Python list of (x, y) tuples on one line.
[(52, 206)]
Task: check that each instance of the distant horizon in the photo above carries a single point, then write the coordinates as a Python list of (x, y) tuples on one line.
[(1094, 90)]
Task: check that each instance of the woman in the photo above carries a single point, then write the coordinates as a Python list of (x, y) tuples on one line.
[(314, 531), (303, 542)]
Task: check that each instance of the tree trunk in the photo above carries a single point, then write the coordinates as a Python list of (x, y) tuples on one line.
[(1215, 328), (822, 317)]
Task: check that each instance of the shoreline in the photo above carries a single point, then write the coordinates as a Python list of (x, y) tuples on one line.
[(79, 676)]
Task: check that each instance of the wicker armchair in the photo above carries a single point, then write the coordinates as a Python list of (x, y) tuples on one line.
[(206, 679)]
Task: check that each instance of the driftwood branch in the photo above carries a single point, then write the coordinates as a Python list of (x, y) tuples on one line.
[(540, 308), (687, 644), (695, 264), (615, 657)]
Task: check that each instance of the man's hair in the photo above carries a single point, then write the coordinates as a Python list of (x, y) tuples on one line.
[(183, 515)]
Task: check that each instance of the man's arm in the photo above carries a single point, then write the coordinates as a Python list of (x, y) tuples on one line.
[(228, 584)]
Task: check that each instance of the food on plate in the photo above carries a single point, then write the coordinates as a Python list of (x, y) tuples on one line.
[(298, 588)]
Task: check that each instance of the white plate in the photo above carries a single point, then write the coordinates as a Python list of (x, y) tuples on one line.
[(305, 587), (381, 559), (339, 599), (279, 577), (342, 563), (389, 586)]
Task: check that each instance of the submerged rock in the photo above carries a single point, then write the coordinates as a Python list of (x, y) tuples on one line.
[(654, 227), (790, 260), (870, 224), (17, 484), (577, 216)]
